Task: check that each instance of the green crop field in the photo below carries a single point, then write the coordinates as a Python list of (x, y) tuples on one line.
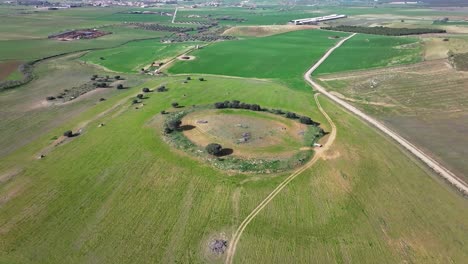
[(133, 56), (122, 191), (39, 48), (369, 51), (283, 56), (95, 198)]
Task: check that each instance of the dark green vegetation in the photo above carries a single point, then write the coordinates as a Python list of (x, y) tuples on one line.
[(370, 51), (386, 31)]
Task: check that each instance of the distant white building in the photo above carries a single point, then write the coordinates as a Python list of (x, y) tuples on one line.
[(314, 20)]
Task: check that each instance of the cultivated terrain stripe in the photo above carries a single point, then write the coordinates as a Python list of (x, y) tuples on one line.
[(438, 168)]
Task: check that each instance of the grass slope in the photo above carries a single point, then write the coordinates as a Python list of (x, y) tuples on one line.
[(133, 56), (369, 51), (119, 193), (38, 48), (282, 56)]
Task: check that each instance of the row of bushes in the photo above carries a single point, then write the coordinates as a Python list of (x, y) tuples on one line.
[(159, 27), (235, 104), (96, 82), (196, 37), (386, 31)]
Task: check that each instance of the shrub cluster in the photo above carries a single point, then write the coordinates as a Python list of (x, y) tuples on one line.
[(161, 88), (196, 37), (386, 31), (96, 82), (237, 105), (159, 27), (255, 107)]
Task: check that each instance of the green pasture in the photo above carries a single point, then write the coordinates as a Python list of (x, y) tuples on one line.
[(283, 56), (133, 56), (119, 193), (370, 51), (39, 48)]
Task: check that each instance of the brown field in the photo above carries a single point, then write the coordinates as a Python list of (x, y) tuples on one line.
[(437, 48), (263, 31), (269, 135), (7, 68), (428, 104)]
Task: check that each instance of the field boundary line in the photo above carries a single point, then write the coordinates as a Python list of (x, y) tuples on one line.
[(318, 154), (431, 163)]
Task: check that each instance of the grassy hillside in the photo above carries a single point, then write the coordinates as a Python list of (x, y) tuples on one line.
[(118, 193), (369, 51), (135, 55), (282, 56), (39, 48)]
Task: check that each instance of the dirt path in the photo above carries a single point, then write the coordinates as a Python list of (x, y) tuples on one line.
[(174, 16), (237, 235), (439, 169)]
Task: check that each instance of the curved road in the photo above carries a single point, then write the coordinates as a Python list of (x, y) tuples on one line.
[(442, 171), (318, 154)]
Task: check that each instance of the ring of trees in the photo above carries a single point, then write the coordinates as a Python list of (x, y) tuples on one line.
[(219, 156)]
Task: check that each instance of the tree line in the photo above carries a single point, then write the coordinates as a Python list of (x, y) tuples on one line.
[(235, 104), (386, 31)]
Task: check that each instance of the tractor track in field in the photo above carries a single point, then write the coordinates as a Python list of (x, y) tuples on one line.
[(318, 154)]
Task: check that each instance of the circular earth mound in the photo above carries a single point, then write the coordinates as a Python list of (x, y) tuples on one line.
[(247, 133)]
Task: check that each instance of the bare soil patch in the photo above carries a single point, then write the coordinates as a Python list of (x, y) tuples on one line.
[(7, 68), (263, 31), (259, 135)]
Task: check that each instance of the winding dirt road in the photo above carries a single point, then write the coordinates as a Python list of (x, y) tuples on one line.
[(445, 173), (318, 154), (442, 171)]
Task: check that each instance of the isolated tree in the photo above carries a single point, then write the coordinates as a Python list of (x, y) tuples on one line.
[(255, 107), (135, 101), (291, 115), (306, 120), (201, 79), (102, 99), (117, 77), (146, 90), (120, 86), (140, 96), (50, 98), (214, 149), (189, 78), (68, 133), (219, 105), (174, 124), (161, 88), (175, 104)]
